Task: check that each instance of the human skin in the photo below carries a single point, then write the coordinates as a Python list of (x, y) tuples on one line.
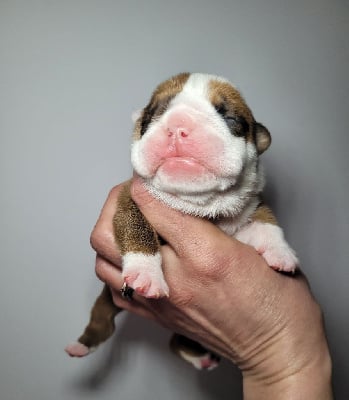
[(225, 296)]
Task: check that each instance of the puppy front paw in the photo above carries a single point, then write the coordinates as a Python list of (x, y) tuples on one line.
[(280, 258), (269, 241), (143, 273)]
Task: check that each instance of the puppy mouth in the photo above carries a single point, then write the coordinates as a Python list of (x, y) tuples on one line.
[(185, 175), (181, 167)]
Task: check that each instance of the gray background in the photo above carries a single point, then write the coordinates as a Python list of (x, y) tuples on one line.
[(71, 73)]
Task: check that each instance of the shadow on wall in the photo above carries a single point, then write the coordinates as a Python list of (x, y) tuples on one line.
[(116, 359)]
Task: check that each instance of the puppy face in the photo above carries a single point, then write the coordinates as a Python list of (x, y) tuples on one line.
[(196, 137)]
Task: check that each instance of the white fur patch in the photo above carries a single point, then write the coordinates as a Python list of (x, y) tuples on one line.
[(197, 83), (143, 273), (269, 241)]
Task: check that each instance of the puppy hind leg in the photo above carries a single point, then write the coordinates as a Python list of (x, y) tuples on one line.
[(100, 327), (194, 353)]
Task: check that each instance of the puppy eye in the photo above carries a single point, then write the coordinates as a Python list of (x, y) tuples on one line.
[(222, 111), (231, 120), (238, 125)]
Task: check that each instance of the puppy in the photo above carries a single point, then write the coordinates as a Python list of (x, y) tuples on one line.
[(196, 145)]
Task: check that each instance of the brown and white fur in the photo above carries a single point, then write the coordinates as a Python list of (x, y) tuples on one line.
[(196, 145)]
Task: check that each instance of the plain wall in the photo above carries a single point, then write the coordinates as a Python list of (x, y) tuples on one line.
[(71, 73)]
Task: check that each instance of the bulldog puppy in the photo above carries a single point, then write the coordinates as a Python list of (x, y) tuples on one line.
[(196, 145)]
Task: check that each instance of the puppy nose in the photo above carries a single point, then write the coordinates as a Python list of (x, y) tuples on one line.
[(177, 131), (179, 125)]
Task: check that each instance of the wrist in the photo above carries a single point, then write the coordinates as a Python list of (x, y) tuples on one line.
[(295, 379), (309, 384)]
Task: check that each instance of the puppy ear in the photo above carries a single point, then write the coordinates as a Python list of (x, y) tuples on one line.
[(262, 137), (136, 115)]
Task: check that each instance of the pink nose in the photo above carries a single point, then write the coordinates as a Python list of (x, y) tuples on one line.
[(182, 132), (179, 125)]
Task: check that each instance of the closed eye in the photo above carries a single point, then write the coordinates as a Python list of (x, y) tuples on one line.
[(237, 124), (231, 119), (222, 111)]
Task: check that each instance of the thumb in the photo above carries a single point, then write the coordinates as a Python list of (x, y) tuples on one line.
[(181, 231)]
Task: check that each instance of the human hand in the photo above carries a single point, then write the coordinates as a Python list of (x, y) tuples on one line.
[(223, 295)]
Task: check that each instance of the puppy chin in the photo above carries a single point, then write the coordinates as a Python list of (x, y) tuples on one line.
[(206, 183)]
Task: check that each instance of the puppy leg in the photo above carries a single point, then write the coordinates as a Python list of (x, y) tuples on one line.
[(100, 327), (140, 249), (267, 238), (193, 353)]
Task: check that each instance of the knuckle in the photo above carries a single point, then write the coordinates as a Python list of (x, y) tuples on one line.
[(216, 264), (100, 270), (96, 238), (101, 239), (99, 234)]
